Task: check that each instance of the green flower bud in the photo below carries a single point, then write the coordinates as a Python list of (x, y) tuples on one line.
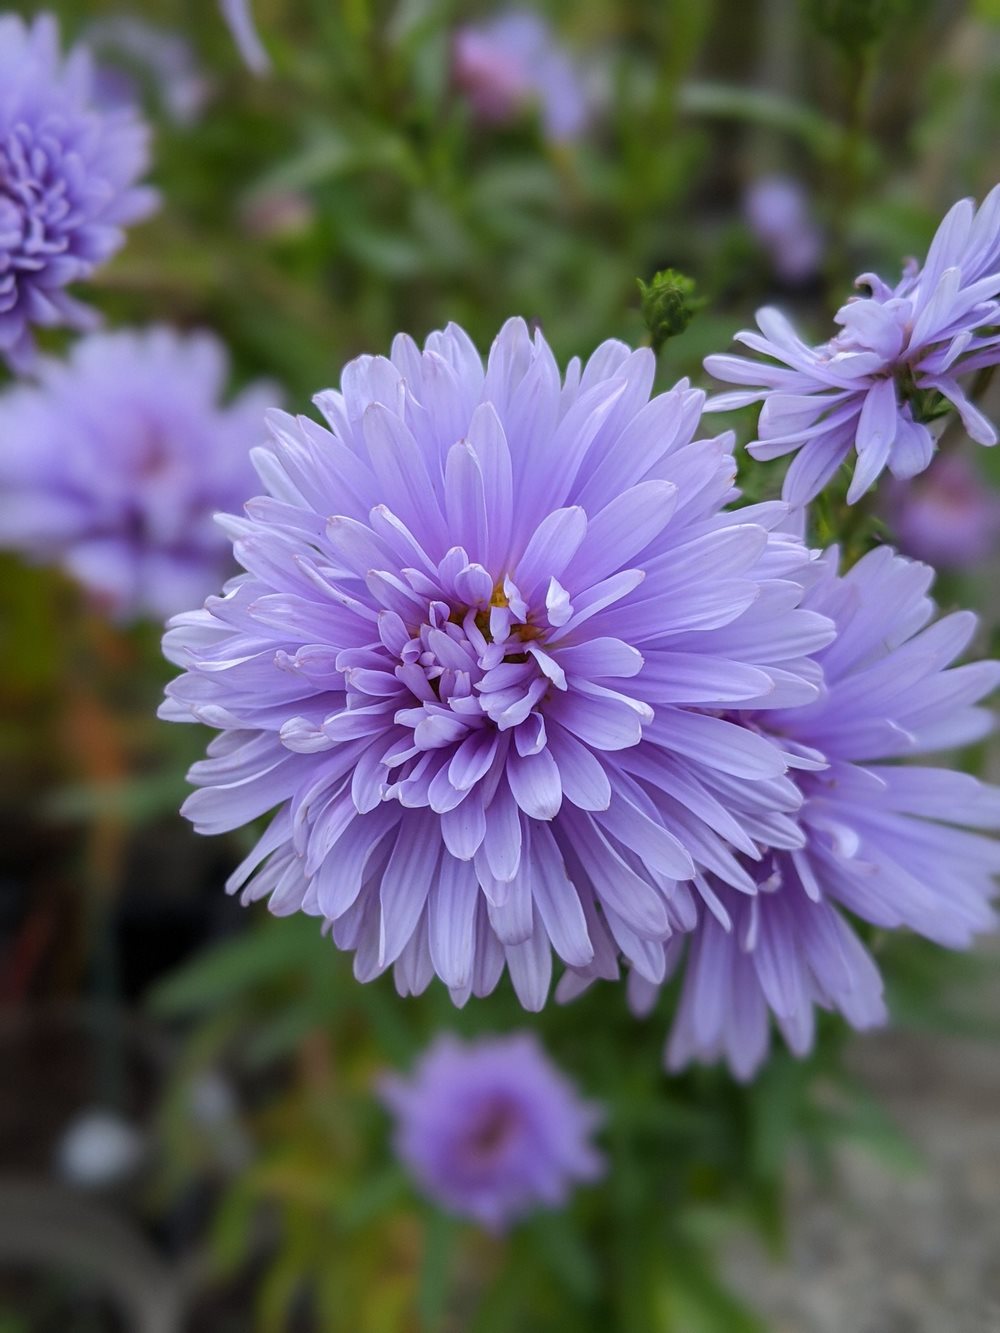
[(668, 305)]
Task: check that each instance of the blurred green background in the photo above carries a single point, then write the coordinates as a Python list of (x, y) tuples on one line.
[(307, 216)]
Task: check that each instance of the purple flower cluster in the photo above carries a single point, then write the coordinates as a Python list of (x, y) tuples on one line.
[(114, 463), (68, 177), (491, 1130), (893, 844), (512, 62), (483, 659), (893, 367), (518, 684)]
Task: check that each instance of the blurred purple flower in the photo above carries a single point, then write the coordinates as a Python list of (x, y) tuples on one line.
[(238, 16), (491, 1129), (115, 462), (889, 842), (894, 363), (125, 45), (777, 212), (487, 622), (67, 182), (950, 516), (514, 61)]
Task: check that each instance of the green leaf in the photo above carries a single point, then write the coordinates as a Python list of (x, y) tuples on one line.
[(440, 1235), (273, 949)]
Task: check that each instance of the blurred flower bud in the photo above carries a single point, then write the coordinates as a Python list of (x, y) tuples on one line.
[(277, 214), (99, 1149), (777, 212)]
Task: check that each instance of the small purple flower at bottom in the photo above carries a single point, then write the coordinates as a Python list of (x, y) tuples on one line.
[(950, 516), (491, 1129), (68, 174), (893, 368), (114, 463)]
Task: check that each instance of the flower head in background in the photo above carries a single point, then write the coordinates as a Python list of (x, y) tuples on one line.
[(491, 1130), (238, 16), (949, 516), (892, 843), (777, 211), (894, 365), (130, 51), (114, 463), (514, 61), (68, 175), (476, 662)]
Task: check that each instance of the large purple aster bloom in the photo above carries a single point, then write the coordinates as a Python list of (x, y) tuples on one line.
[(895, 363), (891, 843), (491, 1129), (114, 463), (488, 620), (68, 177)]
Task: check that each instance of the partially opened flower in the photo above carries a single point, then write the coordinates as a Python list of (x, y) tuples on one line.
[(512, 62), (68, 175), (894, 844), (476, 661), (891, 370), (491, 1129), (114, 463)]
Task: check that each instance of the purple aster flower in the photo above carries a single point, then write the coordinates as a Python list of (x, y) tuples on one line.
[(891, 843), (950, 516), (514, 61), (893, 367), (67, 182), (475, 661), (238, 16), (116, 460), (491, 1129), (777, 212)]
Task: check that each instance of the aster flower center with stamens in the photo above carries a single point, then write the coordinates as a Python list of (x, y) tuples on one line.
[(464, 662)]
